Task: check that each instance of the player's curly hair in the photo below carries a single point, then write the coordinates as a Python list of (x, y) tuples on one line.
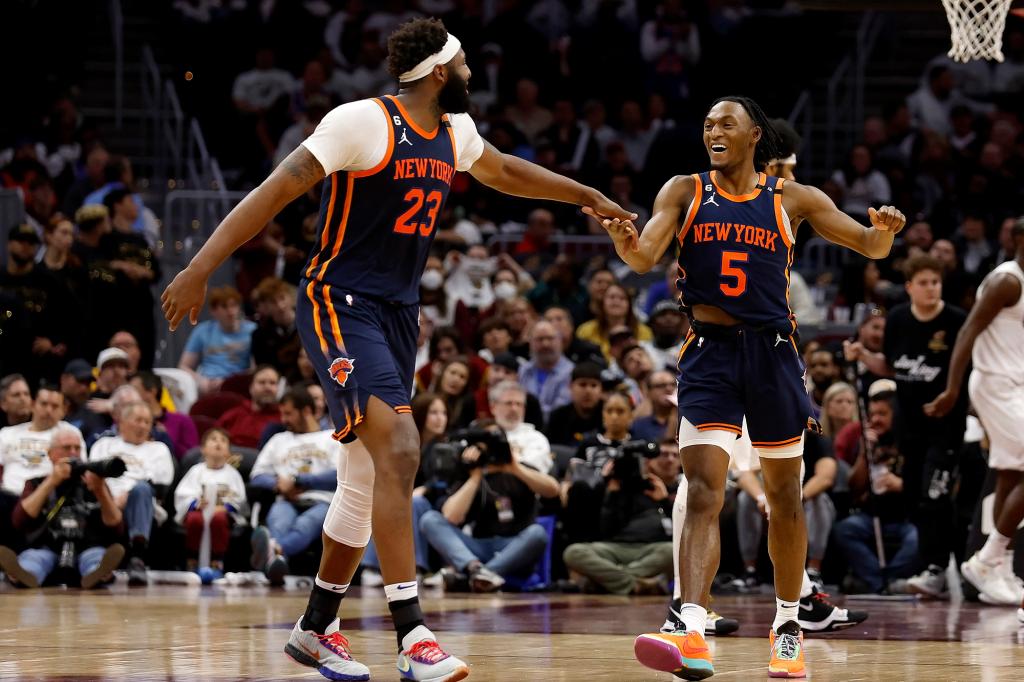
[(770, 146), (790, 138), (414, 41)]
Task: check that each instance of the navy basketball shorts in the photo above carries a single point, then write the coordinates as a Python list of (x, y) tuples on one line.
[(726, 373), (359, 348)]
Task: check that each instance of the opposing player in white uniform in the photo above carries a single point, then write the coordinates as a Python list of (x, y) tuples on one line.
[(993, 339)]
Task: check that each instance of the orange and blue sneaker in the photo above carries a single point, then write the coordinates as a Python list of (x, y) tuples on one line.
[(684, 654), (787, 659)]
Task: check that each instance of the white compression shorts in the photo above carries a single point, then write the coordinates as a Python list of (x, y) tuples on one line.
[(739, 449), (349, 518)]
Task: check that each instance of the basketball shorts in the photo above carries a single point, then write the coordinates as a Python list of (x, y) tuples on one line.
[(728, 373), (359, 347), (1000, 405)]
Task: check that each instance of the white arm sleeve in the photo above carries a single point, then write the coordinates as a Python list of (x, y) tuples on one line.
[(468, 144), (352, 137)]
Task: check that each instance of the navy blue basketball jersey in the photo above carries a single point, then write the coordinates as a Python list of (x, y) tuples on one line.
[(736, 251), (376, 226)]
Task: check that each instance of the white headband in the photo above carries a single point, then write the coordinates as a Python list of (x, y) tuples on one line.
[(788, 161), (445, 55)]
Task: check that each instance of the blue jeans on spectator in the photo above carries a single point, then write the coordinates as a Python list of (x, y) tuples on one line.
[(420, 506), (41, 562), (294, 531), (856, 536), (506, 556), (138, 512)]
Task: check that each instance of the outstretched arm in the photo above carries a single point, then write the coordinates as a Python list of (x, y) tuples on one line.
[(1002, 292), (512, 175), (641, 254), (813, 205), (296, 174)]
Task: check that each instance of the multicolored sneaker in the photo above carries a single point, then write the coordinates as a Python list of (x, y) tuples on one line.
[(989, 580), (328, 653), (787, 658), (684, 654), (716, 624), (426, 661), (818, 614)]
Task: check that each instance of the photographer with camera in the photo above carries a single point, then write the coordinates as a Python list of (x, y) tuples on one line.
[(499, 499), (68, 519)]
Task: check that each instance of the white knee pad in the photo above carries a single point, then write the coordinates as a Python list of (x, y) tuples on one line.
[(349, 517)]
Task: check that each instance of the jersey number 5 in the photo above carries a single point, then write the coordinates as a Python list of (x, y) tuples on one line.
[(730, 270), (405, 223)]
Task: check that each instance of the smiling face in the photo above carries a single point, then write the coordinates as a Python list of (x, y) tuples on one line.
[(730, 136)]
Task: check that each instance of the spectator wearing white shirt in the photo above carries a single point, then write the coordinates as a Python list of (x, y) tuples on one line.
[(212, 478), (530, 446), (256, 90), (862, 184), (23, 447), (149, 470), (301, 466)]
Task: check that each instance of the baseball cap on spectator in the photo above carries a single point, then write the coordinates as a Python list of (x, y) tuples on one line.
[(507, 360), (80, 370), (587, 370), (881, 386), (665, 306), (23, 232), (111, 355)]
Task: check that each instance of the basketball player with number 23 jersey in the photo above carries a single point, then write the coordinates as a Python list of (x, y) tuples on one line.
[(387, 166), (735, 229)]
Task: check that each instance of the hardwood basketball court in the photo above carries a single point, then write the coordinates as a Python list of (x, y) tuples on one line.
[(237, 633)]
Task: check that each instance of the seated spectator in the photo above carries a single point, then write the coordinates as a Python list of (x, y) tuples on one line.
[(878, 483), (573, 347), (636, 364), (823, 371), (504, 368), (500, 501), (445, 344), (300, 465), (220, 347), (123, 396), (508, 405), (15, 400), (847, 442), (616, 310), (518, 314), (66, 518), (125, 341), (75, 383), (112, 374), (452, 385), (663, 421), (179, 427), (493, 338), (547, 374), (276, 341), (752, 508), (838, 409), (150, 469), (245, 422), (23, 447), (869, 341), (634, 555), (211, 481), (669, 326), (568, 424), (976, 251), (863, 185)]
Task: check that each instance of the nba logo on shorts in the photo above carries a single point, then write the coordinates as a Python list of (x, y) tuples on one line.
[(341, 368)]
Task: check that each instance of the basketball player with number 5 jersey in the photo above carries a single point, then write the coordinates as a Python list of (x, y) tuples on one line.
[(735, 231), (387, 165)]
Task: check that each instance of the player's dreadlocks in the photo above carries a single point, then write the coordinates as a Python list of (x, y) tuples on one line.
[(770, 145), (412, 42)]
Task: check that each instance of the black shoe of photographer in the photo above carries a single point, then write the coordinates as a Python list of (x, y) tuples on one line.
[(138, 572), (15, 573), (111, 560), (454, 581), (483, 579)]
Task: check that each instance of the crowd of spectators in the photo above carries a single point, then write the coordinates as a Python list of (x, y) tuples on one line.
[(566, 354)]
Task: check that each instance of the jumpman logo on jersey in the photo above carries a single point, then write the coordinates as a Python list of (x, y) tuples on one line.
[(405, 137), (711, 200)]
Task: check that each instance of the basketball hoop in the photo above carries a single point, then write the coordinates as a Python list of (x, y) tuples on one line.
[(977, 28)]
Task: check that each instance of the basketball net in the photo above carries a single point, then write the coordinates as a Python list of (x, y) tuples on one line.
[(977, 28)]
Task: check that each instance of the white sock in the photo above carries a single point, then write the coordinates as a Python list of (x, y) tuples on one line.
[(333, 587), (401, 591), (994, 549), (694, 617), (418, 634), (807, 587), (784, 612)]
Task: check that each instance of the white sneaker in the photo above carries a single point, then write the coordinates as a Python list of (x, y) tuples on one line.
[(1013, 582), (1020, 616), (371, 578), (328, 653), (426, 661), (990, 581), (931, 582)]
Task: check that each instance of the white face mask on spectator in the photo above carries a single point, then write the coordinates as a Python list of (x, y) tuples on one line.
[(505, 291), (432, 280), (479, 268)]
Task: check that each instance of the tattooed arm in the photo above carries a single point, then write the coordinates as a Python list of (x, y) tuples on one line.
[(296, 174)]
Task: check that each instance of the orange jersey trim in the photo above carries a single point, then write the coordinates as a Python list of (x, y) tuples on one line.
[(451, 136), (341, 226), (333, 315), (391, 146), (715, 426), (732, 197), (776, 445), (694, 207), (686, 344), (412, 123), (316, 317), (778, 214), (325, 234)]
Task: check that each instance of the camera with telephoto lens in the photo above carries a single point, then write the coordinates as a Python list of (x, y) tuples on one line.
[(493, 445), (630, 458), (104, 468)]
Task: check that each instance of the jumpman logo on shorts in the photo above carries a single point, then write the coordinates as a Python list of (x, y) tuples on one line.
[(405, 137)]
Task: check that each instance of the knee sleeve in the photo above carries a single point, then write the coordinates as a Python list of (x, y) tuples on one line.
[(349, 517), (678, 518)]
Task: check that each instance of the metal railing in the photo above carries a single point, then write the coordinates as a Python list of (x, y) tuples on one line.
[(801, 117), (572, 244), (117, 37)]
